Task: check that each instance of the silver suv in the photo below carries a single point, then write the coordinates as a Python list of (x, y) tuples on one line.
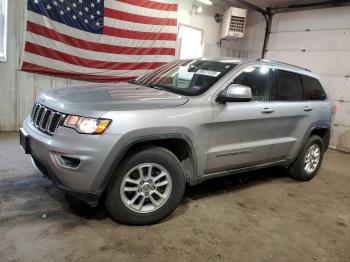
[(137, 145)]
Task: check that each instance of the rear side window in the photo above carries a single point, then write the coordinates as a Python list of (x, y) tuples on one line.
[(258, 79), (312, 89), (287, 86)]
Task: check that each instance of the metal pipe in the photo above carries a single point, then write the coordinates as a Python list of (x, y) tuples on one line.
[(268, 20)]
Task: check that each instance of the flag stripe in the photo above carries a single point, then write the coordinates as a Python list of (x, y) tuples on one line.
[(29, 67), (97, 47), (62, 66), (96, 38), (139, 10), (75, 60), (81, 52), (112, 22), (112, 13), (112, 31), (151, 4)]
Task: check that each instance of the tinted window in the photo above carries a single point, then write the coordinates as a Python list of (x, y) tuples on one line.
[(258, 79), (312, 89), (287, 86)]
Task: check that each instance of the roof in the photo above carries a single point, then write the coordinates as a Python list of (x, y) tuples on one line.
[(237, 60)]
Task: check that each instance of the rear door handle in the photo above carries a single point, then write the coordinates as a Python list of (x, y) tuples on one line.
[(267, 110), (307, 108)]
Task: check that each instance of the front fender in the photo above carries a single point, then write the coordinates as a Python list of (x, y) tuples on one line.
[(134, 137)]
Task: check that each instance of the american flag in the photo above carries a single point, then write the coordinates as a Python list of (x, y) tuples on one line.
[(99, 40)]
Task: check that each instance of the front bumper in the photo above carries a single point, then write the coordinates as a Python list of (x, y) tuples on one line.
[(93, 151), (90, 198)]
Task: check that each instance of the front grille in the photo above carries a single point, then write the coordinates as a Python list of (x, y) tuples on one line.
[(45, 119)]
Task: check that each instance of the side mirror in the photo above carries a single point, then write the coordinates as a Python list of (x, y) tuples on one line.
[(235, 93)]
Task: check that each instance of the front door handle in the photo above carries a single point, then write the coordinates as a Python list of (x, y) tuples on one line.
[(307, 108), (267, 110)]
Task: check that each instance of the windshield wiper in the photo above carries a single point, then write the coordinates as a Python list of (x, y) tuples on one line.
[(154, 86)]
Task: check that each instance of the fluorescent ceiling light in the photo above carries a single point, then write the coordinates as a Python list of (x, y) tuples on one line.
[(207, 2)]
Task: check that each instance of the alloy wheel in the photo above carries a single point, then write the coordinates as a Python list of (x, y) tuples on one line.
[(312, 158), (146, 187)]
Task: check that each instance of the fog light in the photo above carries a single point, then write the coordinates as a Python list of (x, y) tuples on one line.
[(68, 161)]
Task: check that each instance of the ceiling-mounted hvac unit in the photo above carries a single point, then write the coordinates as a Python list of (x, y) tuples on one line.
[(233, 23)]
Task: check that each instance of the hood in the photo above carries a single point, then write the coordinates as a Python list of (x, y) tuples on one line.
[(97, 99)]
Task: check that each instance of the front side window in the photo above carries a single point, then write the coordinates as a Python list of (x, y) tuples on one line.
[(287, 86), (258, 79), (3, 26), (190, 77), (312, 89)]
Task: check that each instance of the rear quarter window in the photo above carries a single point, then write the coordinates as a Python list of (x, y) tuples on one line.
[(312, 89)]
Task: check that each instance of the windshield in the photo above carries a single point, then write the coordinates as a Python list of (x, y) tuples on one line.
[(190, 77)]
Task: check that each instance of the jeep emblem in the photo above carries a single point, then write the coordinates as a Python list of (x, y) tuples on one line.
[(42, 99)]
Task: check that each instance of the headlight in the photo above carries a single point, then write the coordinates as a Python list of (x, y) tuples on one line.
[(86, 125)]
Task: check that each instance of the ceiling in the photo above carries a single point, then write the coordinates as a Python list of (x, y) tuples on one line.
[(272, 3)]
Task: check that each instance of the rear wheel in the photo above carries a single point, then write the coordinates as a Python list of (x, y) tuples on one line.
[(146, 188), (309, 160)]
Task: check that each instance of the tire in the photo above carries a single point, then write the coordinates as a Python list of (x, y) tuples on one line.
[(299, 169), (148, 207)]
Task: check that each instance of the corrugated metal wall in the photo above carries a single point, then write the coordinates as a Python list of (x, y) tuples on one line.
[(319, 40)]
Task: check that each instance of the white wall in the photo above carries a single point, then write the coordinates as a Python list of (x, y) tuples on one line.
[(19, 89), (211, 30), (319, 40), (252, 43)]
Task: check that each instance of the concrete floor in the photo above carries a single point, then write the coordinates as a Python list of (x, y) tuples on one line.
[(259, 216)]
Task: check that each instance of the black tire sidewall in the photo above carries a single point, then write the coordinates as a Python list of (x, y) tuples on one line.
[(299, 172), (161, 156)]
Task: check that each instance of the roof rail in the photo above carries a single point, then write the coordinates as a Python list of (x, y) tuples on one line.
[(282, 63)]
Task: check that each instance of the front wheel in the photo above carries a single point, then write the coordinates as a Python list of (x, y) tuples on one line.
[(309, 160), (146, 188)]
